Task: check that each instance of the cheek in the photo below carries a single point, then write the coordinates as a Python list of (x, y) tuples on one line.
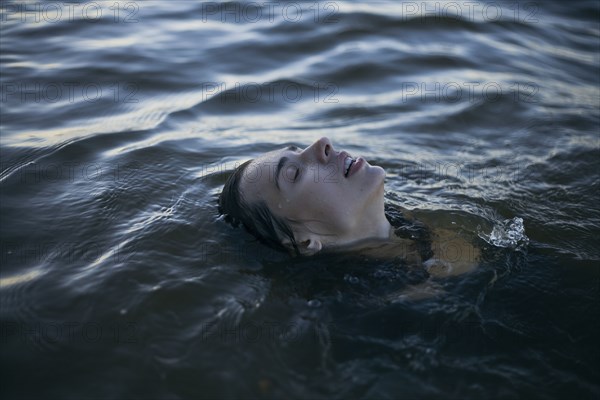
[(319, 200), (327, 195), (333, 205)]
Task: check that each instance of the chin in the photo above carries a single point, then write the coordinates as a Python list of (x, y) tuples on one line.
[(374, 179), (376, 172)]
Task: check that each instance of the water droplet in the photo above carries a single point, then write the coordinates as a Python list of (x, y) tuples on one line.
[(279, 205), (123, 311)]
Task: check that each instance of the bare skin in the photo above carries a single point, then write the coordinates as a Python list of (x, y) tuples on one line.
[(327, 204)]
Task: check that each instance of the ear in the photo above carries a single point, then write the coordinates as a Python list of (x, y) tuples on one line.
[(307, 247), (310, 246)]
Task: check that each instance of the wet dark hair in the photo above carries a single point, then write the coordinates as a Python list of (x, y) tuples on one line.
[(255, 217), (410, 229)]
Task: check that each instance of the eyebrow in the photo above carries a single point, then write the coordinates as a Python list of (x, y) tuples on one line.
[(281, 163)]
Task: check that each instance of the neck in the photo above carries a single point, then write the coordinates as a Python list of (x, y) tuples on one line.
[(375, 222), (378, 229), (373, 227)]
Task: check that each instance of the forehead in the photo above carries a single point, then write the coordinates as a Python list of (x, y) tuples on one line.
[(270, 157), (258, 179)]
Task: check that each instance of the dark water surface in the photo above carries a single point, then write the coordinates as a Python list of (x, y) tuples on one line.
[(122, 120)]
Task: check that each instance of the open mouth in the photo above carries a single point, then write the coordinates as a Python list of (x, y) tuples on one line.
[(348, 163)]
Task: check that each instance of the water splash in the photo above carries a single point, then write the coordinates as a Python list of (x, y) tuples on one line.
[(509, 233)]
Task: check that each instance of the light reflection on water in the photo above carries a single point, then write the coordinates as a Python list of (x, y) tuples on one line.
[(116, 266)]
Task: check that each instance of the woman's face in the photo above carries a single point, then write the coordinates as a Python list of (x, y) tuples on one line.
[(327, 203)]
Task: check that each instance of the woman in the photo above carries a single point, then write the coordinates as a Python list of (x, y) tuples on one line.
[(316, 199)]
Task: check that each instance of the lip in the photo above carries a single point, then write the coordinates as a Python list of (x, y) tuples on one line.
[(356, 166), (341, 158)]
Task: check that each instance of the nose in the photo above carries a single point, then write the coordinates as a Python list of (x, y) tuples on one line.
[(322, 150)]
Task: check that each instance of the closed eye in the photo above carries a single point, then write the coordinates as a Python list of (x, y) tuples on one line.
[(292, 172)]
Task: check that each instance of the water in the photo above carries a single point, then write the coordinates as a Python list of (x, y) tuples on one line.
[(122, 120), (509, 233)]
